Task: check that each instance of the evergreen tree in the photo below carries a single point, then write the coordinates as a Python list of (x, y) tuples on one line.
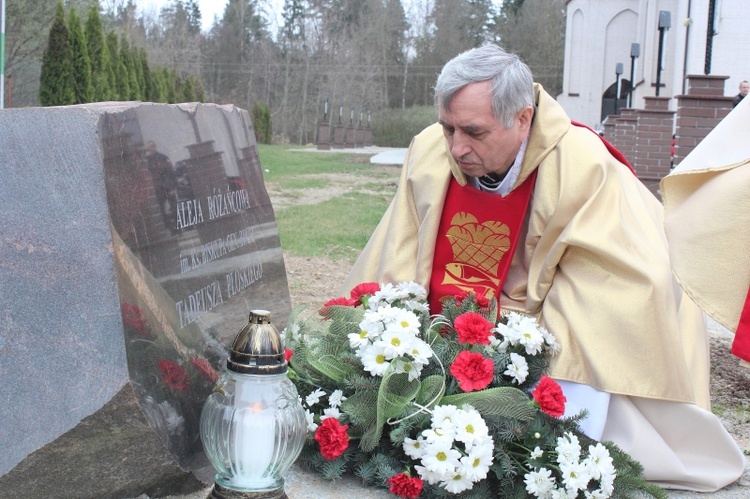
[(159, 88), (121, 69), (112, 62), (120, 89), (129, 72), (135, 57), (81, 61), (56, 82), (148, 82), (98, 54), (187, 91), (170, 82), (261, 116)]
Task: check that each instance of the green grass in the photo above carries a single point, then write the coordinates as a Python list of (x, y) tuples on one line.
[(339, 227), (280, 162)]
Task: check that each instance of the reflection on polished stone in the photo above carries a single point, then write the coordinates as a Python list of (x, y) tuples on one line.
[(138, 238)]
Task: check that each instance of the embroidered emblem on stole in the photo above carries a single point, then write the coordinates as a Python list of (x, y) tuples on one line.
[(476, 240)]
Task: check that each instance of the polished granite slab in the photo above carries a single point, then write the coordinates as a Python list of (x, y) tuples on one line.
[(136, 238)]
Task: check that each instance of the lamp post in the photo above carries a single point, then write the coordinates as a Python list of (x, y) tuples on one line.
[(635, 52), (664, 23), (253, 426), (618, 72)]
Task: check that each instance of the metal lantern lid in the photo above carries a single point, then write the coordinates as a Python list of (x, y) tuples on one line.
[(258, 348)]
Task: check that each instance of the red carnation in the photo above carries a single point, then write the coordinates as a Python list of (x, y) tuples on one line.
[(325, 310), (173, 375), (205, 368), (403, 485), (288, 354), (472, 328), (549, 396), (479, 296), (482, 300), (132, 318), (472, 370), (362, 291), (332, 438)]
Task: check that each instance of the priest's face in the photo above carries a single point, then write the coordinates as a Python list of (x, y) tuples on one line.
[(478, 142)]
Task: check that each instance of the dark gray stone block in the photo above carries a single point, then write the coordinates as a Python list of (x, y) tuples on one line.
[(136, 237)]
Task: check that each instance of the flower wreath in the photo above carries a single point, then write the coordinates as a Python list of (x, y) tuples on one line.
[(444, 405)]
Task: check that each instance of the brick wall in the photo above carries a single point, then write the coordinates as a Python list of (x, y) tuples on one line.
[(699, 112), (644, 136)]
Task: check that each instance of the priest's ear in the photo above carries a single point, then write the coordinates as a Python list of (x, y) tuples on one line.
[(525, 116)]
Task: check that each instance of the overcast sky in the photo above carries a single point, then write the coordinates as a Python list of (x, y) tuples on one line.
[(209, 9)]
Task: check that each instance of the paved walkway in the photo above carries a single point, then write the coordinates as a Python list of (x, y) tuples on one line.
[(379, 155)]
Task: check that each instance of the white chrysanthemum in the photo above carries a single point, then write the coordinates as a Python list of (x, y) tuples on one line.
[(470, 427), (476, 464), (537, 453), (330, 412), (314, 397), (539, 483), (413, 290), (531, 338), (568, 449), (395, 342), (387, 314), (428, 476), (336, 398), (372, 323), (518, 368), (442, 414), (359, 340), (457, 483), (553, 347), (374, 360), (607, 480), (386, 295), (420, 351), (595, 494), (575, 475), (173, 420), (441, 457), (563, 493), (405, 320), (413, 369), (443, 434), (598, 460), (414, 448), (417, 306), (310, 418)]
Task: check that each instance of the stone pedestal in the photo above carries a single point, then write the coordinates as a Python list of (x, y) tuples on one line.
[(339, 136), (351, 136), (136, 238), (324, 135)]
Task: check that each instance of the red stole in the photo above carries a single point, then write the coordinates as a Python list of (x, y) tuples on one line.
[(477, 237), (741, 343)]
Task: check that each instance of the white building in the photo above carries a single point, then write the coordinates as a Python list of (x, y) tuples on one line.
[(601, 33)]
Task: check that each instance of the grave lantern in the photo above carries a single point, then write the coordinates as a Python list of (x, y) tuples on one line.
[(253, 426)]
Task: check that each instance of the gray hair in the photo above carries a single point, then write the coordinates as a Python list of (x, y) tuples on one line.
[(512, 82)]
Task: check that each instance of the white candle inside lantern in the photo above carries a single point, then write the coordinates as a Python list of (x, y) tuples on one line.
[(255, 434)]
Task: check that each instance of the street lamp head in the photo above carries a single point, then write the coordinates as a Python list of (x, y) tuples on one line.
[(665, 19)]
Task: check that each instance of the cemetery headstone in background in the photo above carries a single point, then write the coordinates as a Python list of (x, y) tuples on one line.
[(135, 239)]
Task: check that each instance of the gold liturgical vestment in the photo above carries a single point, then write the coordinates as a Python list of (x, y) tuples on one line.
[(592, 264)]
